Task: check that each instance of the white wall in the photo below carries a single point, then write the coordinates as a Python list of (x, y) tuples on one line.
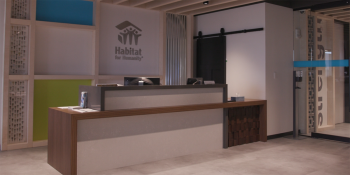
[(2, 41), (245, 53), (253, 58), (279, 60), (61, 51)]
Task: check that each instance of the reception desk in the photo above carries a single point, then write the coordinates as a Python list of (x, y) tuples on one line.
[(142, 124)]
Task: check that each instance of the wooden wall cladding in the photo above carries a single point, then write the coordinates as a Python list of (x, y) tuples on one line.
[(243, 125)]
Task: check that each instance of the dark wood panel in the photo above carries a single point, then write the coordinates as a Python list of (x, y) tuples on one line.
[(246, 125), (59, 141), (263, 122), (74, 151), (243, 125)]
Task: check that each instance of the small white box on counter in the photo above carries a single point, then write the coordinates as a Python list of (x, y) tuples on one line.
[(237, 99)]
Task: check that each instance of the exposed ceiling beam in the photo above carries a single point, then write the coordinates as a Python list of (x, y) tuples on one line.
[(339, 14), (343, 16), (179, 5), (106, 1), (134, 3), (332, 9), (158, 3), (118, 1), (335, 12), (345, 19), (222, 6), (200, 6)]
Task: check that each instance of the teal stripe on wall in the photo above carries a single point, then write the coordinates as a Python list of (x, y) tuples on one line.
[(324, 63), (65, 11)]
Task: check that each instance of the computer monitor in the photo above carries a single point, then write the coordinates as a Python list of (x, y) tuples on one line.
[(140, 81), (193, 81)]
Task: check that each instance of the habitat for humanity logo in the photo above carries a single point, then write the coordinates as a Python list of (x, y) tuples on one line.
[(128, 32)]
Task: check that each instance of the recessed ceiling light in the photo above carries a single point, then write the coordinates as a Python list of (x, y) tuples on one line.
[(206, 2)]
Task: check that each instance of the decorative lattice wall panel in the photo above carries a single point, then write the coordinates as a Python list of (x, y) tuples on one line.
[(17, 117), (244, 125), (20, 9), (311, 75), (19, 50)]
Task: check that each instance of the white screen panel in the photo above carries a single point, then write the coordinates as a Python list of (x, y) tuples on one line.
[(123, 141), (129, 41)]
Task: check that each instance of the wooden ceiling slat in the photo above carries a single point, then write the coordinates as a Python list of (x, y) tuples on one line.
[(344, 16), (335, 12), (179, 4), (118, 1), (134, 3), (222, 6), (158, 3), (200, 6), (341, 15), (333, 9)]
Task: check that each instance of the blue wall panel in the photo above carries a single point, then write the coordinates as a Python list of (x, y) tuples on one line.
[(65, 11), (323, 63)]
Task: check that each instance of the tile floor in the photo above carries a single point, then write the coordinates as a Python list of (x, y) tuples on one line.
[(280, 156), (342, 129)]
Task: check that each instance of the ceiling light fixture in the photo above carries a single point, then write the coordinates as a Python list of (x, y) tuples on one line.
[(206, 2)]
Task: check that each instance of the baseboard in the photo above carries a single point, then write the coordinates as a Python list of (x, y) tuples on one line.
[(275, 136), (17, 146), (330, 137), (39, 143)]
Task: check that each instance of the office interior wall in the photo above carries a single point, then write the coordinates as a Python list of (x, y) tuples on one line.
[(245, 53), (61, 51), (338, 54), (279, 68), (259, 64), (2, 40)]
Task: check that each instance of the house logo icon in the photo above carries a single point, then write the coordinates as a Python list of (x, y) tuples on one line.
[(128, 30)]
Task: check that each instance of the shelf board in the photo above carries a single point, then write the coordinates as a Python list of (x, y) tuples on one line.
[(63, 77), (65, 25), (21, 21), (18, 77)]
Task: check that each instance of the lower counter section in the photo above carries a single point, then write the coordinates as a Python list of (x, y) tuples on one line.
[(82, 143), (109, 143), (244, 125)]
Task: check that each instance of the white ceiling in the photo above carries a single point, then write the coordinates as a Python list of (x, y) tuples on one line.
[(186, 7)]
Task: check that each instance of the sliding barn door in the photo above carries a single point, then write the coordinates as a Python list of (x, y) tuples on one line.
[(211, 59)]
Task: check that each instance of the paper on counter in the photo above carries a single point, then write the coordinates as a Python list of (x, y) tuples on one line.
[(84, 110)]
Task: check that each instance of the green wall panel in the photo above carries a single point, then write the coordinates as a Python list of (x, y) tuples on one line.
[(52, 93)]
